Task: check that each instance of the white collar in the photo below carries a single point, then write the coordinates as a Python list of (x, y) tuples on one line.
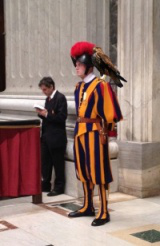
[(53, 93), (89, 77)]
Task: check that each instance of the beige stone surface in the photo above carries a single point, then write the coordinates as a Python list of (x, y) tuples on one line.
[(39, 35), (138, 61), (38, 225)]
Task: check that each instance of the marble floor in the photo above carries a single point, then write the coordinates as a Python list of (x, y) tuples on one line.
[(134, 221)]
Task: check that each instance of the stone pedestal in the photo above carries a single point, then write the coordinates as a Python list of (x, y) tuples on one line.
[(139, 171), (139, 62)]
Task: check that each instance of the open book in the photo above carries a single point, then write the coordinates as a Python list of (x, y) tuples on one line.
[(38, 106)]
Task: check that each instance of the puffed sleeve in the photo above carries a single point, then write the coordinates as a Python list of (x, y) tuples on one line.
[(107, 104)]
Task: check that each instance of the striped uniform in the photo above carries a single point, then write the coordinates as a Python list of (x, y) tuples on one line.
[(93, 99)]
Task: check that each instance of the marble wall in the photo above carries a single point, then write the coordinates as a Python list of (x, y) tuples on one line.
[(39, 35), (139, 62)]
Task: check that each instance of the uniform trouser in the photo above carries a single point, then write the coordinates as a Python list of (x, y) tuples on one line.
[(88, 188), (53, 157)]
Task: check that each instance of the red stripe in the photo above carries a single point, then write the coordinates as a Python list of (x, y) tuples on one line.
[(89, 97), (102, 89), (112, 133)]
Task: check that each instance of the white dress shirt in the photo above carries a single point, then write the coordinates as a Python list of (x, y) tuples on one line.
[(53, 93)]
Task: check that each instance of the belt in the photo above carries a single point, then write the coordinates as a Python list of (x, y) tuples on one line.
[(101, 129), (88, 120)]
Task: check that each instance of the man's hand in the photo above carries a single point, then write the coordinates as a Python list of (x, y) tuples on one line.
[(43, 113)]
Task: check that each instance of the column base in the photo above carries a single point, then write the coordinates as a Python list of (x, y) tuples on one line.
[(139, 170)]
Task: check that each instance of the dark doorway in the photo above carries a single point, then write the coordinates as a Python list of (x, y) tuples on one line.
[(2, 48)]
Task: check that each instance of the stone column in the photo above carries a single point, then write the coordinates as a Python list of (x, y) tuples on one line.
[(139, 63)]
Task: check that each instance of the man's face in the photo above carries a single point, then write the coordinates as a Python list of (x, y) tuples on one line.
[(80, 69), (47, 91)]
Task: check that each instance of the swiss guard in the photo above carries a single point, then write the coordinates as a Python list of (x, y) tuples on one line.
[(97, 111)]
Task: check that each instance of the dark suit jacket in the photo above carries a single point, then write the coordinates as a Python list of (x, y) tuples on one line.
[(53, 126)]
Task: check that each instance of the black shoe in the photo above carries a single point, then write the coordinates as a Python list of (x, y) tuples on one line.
[(76, 214), (55, 193), (99, 222)]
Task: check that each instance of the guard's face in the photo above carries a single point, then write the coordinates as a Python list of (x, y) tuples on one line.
[(80, 69), (47, 91)]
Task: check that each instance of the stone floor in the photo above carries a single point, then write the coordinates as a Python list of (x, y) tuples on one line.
[(134, 221)]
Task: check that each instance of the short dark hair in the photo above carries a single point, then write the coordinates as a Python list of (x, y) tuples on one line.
[(48, 82)]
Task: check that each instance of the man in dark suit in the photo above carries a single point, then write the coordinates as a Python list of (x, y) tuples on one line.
[(53, 140)]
